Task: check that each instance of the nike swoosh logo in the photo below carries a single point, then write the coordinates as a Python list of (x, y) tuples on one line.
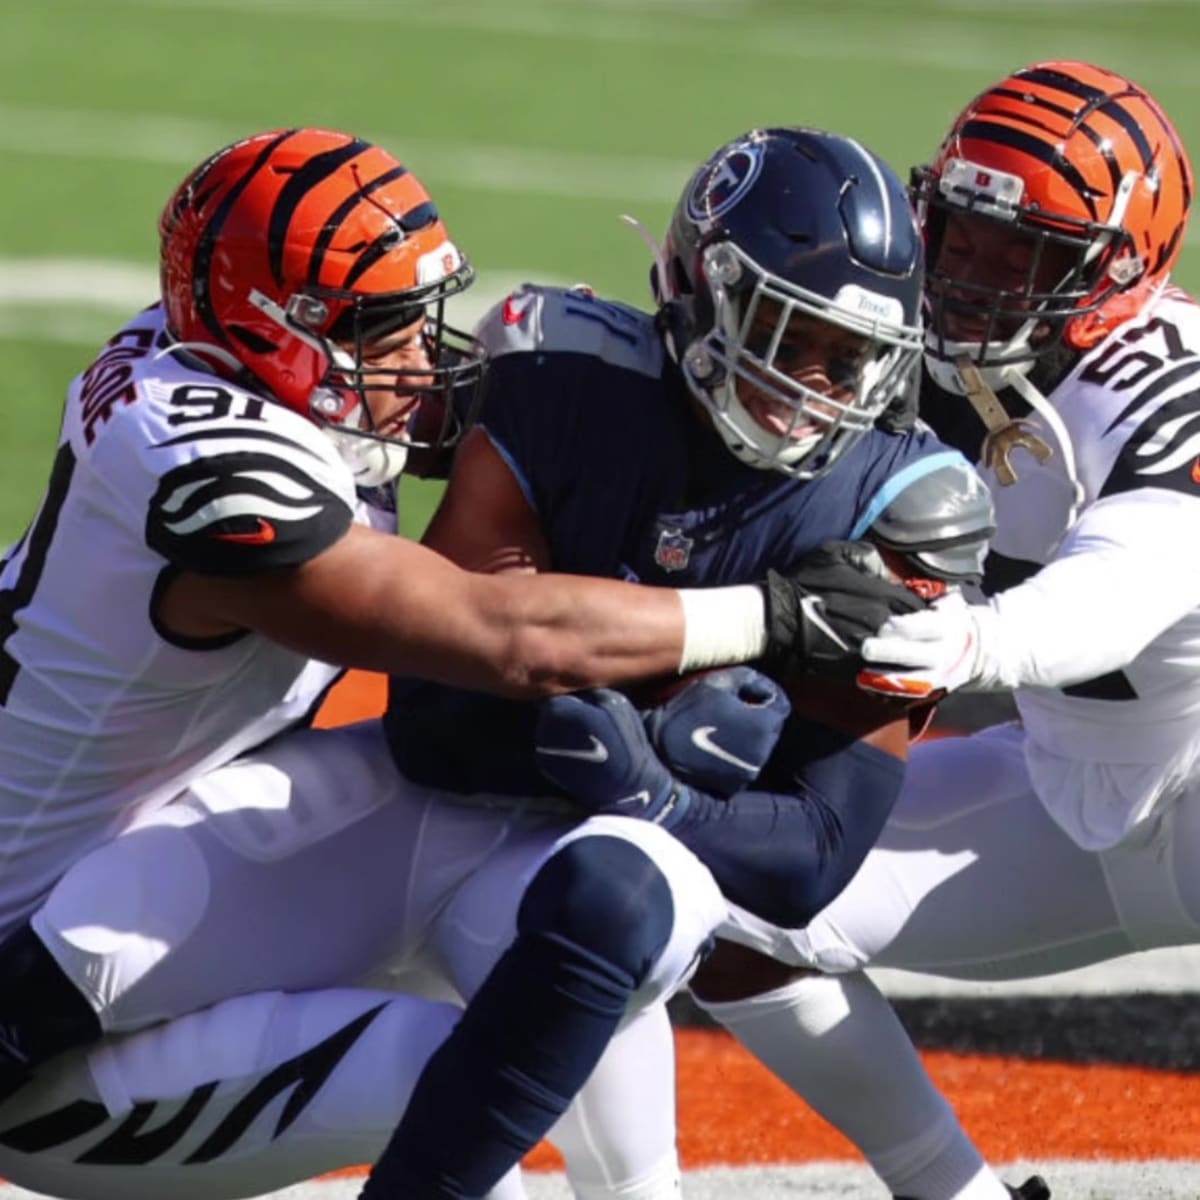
[(813, 609), (638, 800), (597, 752), (702, 740), (264, 535), (513, 313)]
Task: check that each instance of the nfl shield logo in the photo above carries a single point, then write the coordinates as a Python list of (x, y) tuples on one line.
[(673, 550)]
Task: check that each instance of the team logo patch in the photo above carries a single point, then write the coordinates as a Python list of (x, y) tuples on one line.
[(722, 182), (674, 551)]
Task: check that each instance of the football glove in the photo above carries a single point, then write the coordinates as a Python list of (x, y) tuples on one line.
[(820, 612), (923, 653), (594, 746), (719, 731)]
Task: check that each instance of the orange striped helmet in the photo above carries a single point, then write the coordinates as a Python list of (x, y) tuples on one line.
[(290, 251), (1083, 167)]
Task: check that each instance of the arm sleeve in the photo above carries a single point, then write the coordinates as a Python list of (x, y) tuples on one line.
[(1122, 576), (785, 855)]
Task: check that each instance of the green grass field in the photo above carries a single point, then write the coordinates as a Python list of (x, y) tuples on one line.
[(534, 122)]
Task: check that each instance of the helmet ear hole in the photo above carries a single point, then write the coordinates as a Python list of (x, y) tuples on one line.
[(254, 342)]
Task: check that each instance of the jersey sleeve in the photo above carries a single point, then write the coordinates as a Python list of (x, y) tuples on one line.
[(226, 494), (1123, 575), (563, 369), (1161, 449)]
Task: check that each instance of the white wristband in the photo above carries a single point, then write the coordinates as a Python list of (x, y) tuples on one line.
[(722, 625)]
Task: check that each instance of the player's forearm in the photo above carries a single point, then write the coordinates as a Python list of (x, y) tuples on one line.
[(385, 605), (1123, 576)]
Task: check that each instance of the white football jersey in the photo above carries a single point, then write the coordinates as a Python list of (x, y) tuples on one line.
[(104, 715), (1111, 631)]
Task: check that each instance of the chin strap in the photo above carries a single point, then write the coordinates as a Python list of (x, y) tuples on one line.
[(1005, 433)]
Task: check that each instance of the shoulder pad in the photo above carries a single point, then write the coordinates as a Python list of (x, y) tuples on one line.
[(571, 321), (942, 521)]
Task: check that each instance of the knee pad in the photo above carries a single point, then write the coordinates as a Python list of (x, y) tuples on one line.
[(605, 897), (42, 1013)]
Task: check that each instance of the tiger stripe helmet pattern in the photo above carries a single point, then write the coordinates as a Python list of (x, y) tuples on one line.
[(289, 250), (1077, 155)]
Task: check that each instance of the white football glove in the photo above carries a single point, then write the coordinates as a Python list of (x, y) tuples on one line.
[(915, 655)]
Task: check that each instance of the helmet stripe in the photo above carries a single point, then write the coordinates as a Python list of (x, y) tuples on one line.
[(317, 169), (885, 199), (206, 244), (1097, 101), (339, 214), (416, 218), (1016, 139), (1102, 144)]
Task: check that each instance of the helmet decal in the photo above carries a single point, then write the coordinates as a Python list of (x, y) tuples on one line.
[(724, 180)]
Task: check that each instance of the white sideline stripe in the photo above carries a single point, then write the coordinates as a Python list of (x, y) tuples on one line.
[(74, 301), (184, 141), (939, 41), (1172, 970)]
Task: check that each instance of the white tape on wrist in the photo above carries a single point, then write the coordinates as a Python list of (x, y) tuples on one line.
[(722, 625)]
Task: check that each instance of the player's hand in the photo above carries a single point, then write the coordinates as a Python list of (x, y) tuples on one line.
[(921, 653), (719, 731), (593, 745), (820, 612)]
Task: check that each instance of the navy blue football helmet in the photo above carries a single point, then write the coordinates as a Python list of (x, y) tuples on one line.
[(787, 238)]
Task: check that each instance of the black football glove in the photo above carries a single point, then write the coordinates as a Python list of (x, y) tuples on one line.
[(819, 612)]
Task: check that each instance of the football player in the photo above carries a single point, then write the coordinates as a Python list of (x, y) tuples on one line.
[(1062, 357), (205, 560), (729, 433)]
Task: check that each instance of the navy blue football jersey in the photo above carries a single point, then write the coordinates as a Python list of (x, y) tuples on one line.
[(629, 480)]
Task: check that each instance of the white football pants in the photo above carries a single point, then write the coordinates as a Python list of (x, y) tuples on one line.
[(309, 865)]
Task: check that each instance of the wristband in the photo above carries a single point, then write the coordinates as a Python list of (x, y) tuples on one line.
[(722, 625)]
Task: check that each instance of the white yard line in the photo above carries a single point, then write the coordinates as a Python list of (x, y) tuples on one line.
[(184, 141), (948, 42), (80, 301)]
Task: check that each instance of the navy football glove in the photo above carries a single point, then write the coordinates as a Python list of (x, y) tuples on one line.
[(719, 731), (593, 745)]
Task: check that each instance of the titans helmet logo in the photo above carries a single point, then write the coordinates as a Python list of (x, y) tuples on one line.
[(723, 181)]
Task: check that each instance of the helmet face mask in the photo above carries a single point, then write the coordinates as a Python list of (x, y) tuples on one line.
[(299, 255), (1078, 177), (789, 293), (790, 377)]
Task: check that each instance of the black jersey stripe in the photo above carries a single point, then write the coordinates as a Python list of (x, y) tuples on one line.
[(1163, 383), (260, 435)]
